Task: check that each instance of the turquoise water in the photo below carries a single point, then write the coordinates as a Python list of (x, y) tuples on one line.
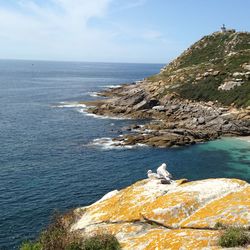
[(48, 160), (238, 160)]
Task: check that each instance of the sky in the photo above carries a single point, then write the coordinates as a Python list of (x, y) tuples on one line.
[(139, 31)]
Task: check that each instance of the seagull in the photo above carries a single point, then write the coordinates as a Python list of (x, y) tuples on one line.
[(152, 175), (163, 173)]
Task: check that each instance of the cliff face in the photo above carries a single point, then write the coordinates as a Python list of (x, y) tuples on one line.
[(151, 215)]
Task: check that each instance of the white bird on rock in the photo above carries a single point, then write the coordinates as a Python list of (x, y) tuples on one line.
[(163, 173), (152, 175)]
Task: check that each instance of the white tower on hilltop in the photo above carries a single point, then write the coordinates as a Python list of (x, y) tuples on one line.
[(223, 28)]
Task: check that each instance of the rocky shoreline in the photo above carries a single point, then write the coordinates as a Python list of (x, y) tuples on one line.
[(201, 95), (172, 121)]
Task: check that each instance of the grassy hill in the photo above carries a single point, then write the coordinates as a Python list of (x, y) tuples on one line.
[(217, 67)]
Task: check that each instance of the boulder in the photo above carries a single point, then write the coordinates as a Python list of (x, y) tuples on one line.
[(159, 108), (206, 74), (237, 74), (146, 104), (201, 120), (215, 73), (246, 66), (141, 105), (151, 215), (228, 85), (131, 99)]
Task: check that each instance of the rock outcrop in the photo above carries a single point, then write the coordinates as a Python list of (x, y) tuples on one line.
[(182, 215)]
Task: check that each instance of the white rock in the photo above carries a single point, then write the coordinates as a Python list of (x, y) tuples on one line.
[(236, 74), (159, 108), (107, 196), (229, 85), (246, 66)]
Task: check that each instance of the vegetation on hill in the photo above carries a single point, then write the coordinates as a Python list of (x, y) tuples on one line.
[(207, 90), (200, 72)]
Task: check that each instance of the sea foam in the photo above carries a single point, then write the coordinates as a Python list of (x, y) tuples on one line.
[(83, 111), (82, 108), (93, 94), (107, 143), (70, 105), (112, 86), (244, 138)]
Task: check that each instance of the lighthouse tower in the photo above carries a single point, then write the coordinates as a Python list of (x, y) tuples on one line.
[(223, 28)]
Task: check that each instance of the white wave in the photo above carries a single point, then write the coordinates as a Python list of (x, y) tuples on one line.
[(112, 86), (93, 94), (107, 143), (83, 111), (141, 145), (140, 129), (148, 130), (243, 138), (70, 105), (139, 81), (82, 108)]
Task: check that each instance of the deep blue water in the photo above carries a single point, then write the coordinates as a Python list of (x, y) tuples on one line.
[(46, 162)]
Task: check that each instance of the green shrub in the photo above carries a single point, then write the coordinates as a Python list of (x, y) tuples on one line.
[(219, 225), (57, 236), (98, 242), (75, 246), (31, 246), (101, 242), (234, 237), (207, 90)]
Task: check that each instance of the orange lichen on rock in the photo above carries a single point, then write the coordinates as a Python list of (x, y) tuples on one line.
[(232, 209), (178, 204), (121, 230), (172, 208), (174, 239), (145, 236), (150, 215), (126, 205)]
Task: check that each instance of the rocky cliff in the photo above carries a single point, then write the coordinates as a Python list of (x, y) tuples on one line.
[(201, 95), (181, 215)]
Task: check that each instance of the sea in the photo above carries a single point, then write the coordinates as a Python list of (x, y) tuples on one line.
[(54, 156)]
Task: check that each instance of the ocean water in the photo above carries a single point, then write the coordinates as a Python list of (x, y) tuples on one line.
[(55, 156)]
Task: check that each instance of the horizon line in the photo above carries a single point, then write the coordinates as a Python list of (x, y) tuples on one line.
[(79, 61)]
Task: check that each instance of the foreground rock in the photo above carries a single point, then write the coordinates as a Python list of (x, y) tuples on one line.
[(150, 215)]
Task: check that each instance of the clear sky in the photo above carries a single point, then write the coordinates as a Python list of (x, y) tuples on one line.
[(112, 30)]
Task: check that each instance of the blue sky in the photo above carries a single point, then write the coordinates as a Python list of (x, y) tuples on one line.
[(153, 31)]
